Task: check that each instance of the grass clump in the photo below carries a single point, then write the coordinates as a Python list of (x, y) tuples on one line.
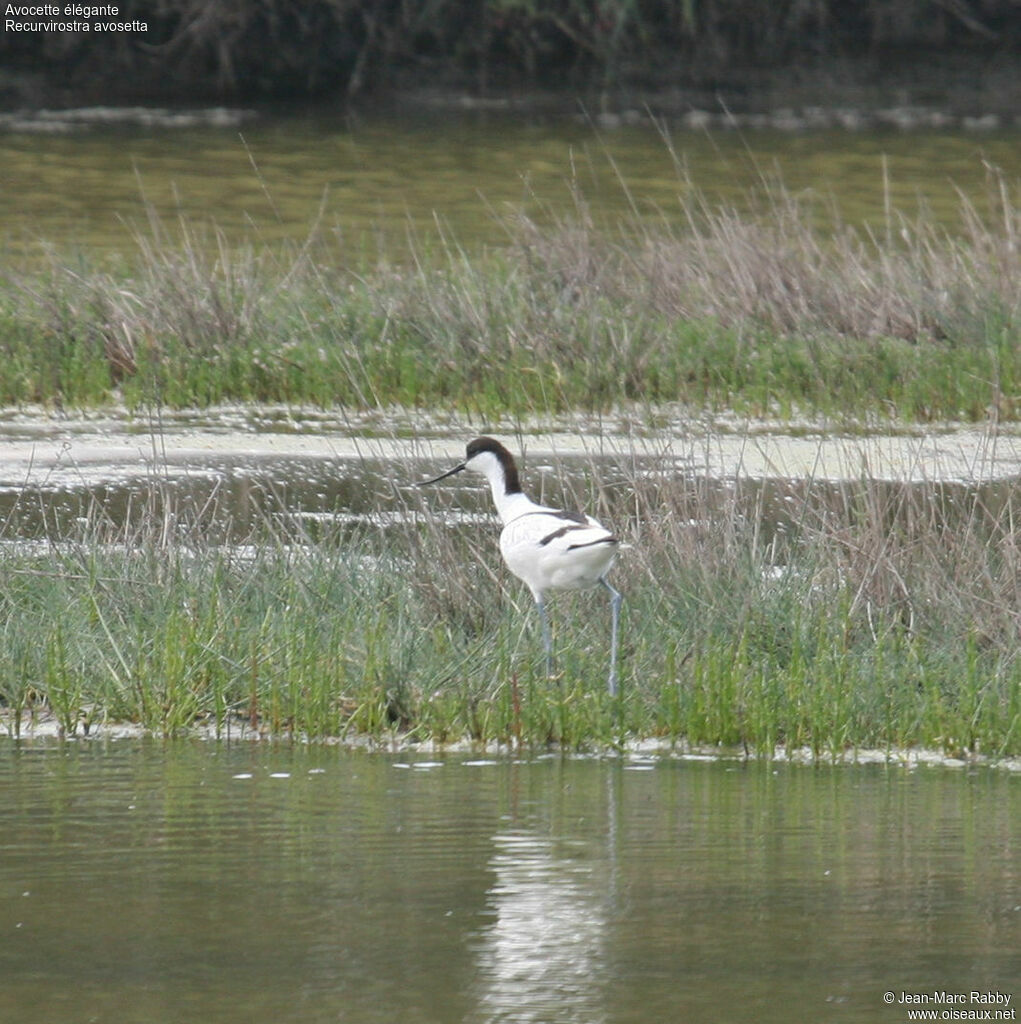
[(876, 616), (763, 311)]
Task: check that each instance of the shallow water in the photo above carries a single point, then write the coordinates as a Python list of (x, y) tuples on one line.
[(143, 881), (387, 183), (225, 476)]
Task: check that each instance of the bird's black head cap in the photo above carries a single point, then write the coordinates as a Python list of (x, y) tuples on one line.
[(512, 484)]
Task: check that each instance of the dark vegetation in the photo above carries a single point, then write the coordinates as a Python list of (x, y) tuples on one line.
[(285, 49)]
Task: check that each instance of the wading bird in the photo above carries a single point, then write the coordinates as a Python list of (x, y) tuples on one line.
[(546, 548)]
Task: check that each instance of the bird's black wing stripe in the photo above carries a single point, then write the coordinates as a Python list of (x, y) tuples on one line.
[(575, 517), (559, 533), (608, 539)]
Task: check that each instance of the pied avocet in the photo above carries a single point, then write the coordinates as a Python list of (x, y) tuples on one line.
[(547, 548)]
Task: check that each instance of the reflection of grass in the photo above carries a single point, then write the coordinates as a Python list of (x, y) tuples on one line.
[(760, 311), (887, 618)]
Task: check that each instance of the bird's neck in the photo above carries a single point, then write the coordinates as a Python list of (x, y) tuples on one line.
[(509, 504)]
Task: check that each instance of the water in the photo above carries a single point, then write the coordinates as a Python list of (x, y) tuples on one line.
[(373, 183), (142, 881), (225, 477), (234, 496)]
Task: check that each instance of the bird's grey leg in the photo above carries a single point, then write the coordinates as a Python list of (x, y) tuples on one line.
[(547, 638), (615, 602)]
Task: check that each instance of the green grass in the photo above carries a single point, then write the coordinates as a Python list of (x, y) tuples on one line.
[(884, 622), (762, 312)]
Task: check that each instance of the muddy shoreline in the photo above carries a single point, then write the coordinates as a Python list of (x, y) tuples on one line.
[(45, 728)]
